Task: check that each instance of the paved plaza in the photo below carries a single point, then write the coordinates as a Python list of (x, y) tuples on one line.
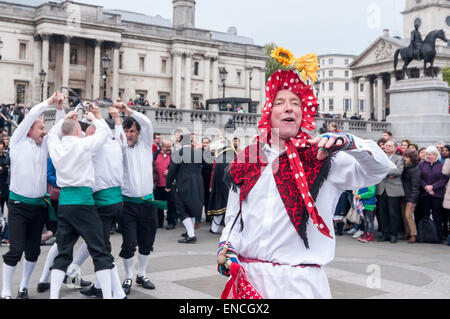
[(360, 271)]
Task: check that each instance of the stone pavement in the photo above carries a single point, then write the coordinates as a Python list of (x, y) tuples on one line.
[(360, 271)]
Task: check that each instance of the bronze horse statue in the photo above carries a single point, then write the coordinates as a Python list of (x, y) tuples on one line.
[(427, 53)]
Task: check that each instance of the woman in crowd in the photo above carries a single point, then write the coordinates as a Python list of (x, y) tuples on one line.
[(446, 204), (422, 154), (433, 183), (405, 145), (411, 185)]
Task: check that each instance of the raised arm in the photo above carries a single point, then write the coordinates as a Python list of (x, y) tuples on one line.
[(119, 134), (145, 123)]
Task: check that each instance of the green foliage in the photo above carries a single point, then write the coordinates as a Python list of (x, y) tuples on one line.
[(272, 65), (446, 74)]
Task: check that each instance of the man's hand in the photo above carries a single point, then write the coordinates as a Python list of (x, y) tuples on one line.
[(72, 115), (90, 117), (168, 190), (122, 107), (429, 188), (94, 109), (331, 143), (222, 259), (58, 99), (358, 197)]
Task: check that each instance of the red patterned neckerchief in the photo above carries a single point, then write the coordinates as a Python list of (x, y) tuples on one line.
[(299, 166)]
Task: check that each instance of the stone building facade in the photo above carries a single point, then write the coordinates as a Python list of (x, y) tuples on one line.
[(162, 60)]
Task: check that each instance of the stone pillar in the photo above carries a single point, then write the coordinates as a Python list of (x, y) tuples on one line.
[(176, 77), (262, 89), (215, 77), (37, 69), (45, 56), (97, 65), (207, 80), (369, 97), (115, 86), (66, 62), (355, 106), (380, 98), (187, 79)]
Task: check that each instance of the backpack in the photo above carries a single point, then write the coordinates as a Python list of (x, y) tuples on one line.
[(427, 232)]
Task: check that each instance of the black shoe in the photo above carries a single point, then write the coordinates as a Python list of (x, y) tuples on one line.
[(127, 286), (170, 227), (213, 232), (145, 283), (43, 287), (185, 235), (92, 292), (393, 239), (382, 239), (23, 294), (76, 282), (188, 240)]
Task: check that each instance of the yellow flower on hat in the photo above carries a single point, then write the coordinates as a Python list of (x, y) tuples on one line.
[(308, 66), (283, 55)]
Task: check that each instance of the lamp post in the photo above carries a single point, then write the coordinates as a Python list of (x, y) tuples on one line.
[(106, 60), (317, 87), (223, 77), (42, 76), (250, 77)]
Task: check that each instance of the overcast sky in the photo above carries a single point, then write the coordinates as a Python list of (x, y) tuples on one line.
[(321, 26)]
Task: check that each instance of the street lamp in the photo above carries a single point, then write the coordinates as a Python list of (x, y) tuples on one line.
[(42, 76), (317, 87), (106, 60), (250, 77), (223, 77)]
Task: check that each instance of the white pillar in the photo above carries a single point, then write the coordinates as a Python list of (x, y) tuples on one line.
[(262, 91), (45, 56), (369, 93), (115, 86), (215, 77), (355, 103), (176, 77), (66, 62), (187, 83), (380, 98), (37, 69), (207, 80), (96, 76)]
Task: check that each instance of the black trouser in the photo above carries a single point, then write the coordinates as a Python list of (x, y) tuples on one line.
[(161, 194), (139, 225), (75, 221), (445, 213), (26, 223), (390, 215), (107, 214), (49, 224), (433, 206)]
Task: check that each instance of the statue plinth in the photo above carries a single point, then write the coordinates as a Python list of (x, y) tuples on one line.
[(419, 110)]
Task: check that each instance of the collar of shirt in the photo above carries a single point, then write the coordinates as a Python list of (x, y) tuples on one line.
[(272, 153)]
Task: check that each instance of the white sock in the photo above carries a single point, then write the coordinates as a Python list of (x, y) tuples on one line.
[(215, 226), (97, 284), (52, 253), (57, 278), (189, 227), (116, 285), (8, 274), (129, 263), (27, 270), (142, 265), (80, 257), (104, 278)]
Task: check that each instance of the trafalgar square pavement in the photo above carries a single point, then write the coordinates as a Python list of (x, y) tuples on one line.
[(359, 271)]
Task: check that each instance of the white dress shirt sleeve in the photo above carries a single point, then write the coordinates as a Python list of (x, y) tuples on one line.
[(94, 142), (54, 138), (365, 166), (119, 136), (146, 134), (21, 132), (233, 208)]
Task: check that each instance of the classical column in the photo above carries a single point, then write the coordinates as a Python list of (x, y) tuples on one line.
[(187, 79), (45, 56), (115, 86), (207, 80), (96, 77), (66, 62), (215, 77), (262, 91), (380, 98), (176, 77), (369, 95), (37, 69), (355, 106)]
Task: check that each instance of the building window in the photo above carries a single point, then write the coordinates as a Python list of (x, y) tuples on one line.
[(347, 105), (121, 93), (346, 61), (196, 102), (239, 77), (163, 65), (22, 51), (361, 87), (331, 61), (120, 60), (20, 93), (362, 105), (163, 97), (73, 56), (142, 64), (331, 104), (347, 86), (196, 68), (331, 86), (323, 87), (330, 73), (142, 95), (346, 74), (50, 54)]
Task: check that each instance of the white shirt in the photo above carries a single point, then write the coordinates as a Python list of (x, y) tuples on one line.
[(108, 165), (269, 234), (29, 160), (137, 160), (72, 156)]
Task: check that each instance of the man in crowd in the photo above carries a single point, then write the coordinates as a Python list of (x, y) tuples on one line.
[(156, 142), (389, 194), (207, 166), (139, 220), (28, 209)]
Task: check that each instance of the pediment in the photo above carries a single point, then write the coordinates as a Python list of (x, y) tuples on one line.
[(380, 51)]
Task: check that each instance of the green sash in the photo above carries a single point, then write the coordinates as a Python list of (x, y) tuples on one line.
[(147, 200), (108, 197), (76, 196), (41, 201)]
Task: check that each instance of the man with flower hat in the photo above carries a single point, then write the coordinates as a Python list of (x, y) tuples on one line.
[(285, 188)]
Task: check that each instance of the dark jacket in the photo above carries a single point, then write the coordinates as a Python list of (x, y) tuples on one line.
[(411, 183), (432, 175), (4, 175)]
